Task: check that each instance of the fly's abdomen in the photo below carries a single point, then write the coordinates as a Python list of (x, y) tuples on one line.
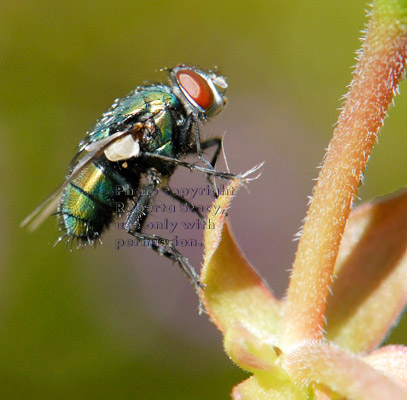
[(87, 204)]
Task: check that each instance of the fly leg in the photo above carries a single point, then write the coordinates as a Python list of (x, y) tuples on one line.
[(165, 247), (162, 246), (192, 167), (206, 144), (200, 146)]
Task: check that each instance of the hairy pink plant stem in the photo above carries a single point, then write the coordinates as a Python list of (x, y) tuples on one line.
[(381, 64)]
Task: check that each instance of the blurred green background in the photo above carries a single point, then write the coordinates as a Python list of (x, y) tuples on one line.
[(105, 324)]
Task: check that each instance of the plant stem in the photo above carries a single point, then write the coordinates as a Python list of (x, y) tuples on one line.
[(381, 64)]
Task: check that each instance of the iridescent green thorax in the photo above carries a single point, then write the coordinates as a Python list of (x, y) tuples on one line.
[(156, 106)]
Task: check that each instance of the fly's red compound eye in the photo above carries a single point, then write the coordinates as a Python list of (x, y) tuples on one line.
[(196, 87)]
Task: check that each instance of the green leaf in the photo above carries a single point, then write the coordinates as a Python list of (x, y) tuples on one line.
[(370, 288), (233, 289)]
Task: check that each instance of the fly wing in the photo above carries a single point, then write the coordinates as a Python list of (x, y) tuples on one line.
[(87, 155)]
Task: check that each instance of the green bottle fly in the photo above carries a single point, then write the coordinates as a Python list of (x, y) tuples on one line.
[(131, 153)]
